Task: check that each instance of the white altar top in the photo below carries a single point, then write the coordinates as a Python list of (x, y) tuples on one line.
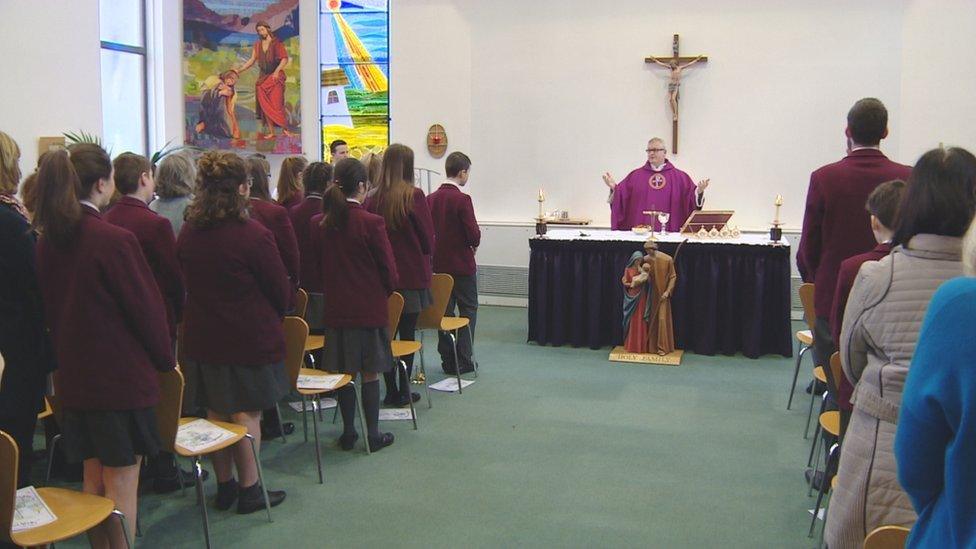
[(606, 235)]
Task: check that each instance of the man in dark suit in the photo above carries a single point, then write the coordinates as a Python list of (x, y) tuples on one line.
[(836, 225)]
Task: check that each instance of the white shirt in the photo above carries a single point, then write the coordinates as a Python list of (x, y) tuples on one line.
[(874, 147), (454, 183), (354, 200), (89, 203)]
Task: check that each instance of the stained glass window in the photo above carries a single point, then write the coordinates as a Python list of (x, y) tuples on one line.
[(354, 45)]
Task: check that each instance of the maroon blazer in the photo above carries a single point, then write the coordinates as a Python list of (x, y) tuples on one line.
[(237, 291), (845, 281), (413, 243), (456, 230), (106, 316), (301, 219), (836, 225), (359, 271), (155, 236), (295, 200), (275, 219)]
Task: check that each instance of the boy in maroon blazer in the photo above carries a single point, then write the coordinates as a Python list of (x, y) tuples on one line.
[(836, 225), (458, 236), (134, 180)]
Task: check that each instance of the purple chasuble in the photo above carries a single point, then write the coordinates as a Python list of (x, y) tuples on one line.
[(669, 190)]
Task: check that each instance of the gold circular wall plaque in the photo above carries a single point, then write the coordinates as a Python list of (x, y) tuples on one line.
[(436, 141)]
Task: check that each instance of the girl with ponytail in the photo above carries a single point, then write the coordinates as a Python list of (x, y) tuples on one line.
[(290, 189), (108, 328), (410, 228), (358, 275)]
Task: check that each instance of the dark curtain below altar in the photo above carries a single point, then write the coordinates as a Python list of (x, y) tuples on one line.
[(728, 299)]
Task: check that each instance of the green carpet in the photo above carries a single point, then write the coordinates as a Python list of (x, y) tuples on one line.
[(551, 447)]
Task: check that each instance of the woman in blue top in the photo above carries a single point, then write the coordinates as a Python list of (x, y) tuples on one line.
[(935, 446)]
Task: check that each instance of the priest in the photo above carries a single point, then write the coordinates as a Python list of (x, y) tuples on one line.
[(658, 186)]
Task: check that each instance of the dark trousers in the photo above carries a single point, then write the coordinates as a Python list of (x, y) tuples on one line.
[(823, 347), (464, 300), (21, 428)]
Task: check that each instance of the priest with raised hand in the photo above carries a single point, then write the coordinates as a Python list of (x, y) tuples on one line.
[(657, 186)]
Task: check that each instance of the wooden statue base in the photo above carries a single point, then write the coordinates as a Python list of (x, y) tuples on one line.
[(619, 354)]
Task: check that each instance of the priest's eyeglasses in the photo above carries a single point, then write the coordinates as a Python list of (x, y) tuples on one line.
[(655, 150)]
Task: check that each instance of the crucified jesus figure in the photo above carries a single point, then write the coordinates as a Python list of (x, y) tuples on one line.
[(675, 81)]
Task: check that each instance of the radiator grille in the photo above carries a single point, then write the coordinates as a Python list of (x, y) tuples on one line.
[(503, 280)]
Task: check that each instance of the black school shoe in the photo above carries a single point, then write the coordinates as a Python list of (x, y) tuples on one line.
[(274, 431), (171, 483), (227, 493), (251, 499), (348, 441), (401, 400), (449, 370), (380, 442)]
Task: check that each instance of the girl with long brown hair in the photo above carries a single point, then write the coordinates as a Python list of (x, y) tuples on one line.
[(290, 189), (411, 231), (108, 326)]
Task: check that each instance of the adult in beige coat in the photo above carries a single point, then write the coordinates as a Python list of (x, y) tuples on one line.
[(881, 326)]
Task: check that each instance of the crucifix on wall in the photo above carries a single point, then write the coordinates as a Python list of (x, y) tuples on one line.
[(676, 64)]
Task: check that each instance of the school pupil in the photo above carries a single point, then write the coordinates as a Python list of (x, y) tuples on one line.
[(108, 326), (290, 190), (359, 274), (233, 342), (316, 178), (458, 237)]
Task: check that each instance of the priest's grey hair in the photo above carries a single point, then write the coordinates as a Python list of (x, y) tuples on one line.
[(969, 250)]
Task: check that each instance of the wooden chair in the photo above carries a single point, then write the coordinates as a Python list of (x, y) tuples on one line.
[(804, 338), (887, 537), (296, 330), (400, 349), (76, 512), (432, 318), (301, 303), (169, 423)]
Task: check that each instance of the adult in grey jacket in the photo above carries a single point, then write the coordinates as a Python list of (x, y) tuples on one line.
[(175, 181), (881, 326)]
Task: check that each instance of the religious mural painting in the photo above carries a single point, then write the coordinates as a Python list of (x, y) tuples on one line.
[(241, 70), (354, 51)]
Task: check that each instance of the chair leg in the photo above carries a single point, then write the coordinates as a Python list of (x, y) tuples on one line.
[(281, 424), (826, 513), (304, 418), (264, 487), (202, 496), (816, 464), (50, 456), (318, 449), (816, 510), (423, 370), (335, 413), (179, 477), (362, 416), (474, 362), (125, 529), (457, 365), (796, 373), (813, 396), (413, 411), (813, 445)]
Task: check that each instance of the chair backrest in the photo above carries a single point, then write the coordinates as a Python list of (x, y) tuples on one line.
[(836, 372), (8, 484), (394, 308), (296, 332), (301, 303), (170, 407), (440, 287), (806, 298), (887, 537)]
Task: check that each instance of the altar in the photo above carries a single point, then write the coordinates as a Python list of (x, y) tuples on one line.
[(732, 296)]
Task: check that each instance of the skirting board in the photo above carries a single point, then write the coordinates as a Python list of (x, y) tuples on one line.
[(619, 354)]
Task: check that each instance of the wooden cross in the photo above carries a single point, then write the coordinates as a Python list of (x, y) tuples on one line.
[(675, 63)]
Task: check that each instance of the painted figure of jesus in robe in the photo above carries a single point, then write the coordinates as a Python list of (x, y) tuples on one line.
[(272, 58), (649, 281), (657, 186)]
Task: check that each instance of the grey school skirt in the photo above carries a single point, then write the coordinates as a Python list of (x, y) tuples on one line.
[(415, 301), (355, 350), (231, 389)]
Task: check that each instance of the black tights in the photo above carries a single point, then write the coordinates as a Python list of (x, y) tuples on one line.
[(371, 408), (406, 331)]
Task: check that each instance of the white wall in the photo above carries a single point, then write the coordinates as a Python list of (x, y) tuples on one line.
[(50, 71), (938, 79), (553, 92)]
